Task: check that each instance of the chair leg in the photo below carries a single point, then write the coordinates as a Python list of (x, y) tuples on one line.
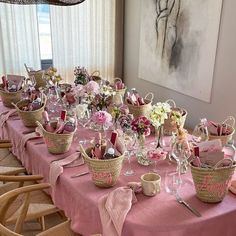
[(42, 223), (62, 215)]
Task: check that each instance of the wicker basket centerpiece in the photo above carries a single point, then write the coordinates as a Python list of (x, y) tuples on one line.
[(56, 143), (105, 173), (29, 118), (229, 124), (169, 127), (142, 110), (38, 78), (212, 184), (95, 76), (10, 97), (119, 91)]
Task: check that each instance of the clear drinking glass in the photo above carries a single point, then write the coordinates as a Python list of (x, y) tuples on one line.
[(172, 182)]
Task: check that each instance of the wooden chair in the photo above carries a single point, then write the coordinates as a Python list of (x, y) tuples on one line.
[(6, 157), (40, 204), (7, 199)]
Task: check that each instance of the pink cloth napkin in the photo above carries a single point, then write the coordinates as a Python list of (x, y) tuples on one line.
[(114, 207), (4, 116), (56, 167), (26, 138)]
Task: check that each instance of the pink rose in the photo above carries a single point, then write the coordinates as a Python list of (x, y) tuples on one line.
[(102, 118), (79, 90), (92, 87)]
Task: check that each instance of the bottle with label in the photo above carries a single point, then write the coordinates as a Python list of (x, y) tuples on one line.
[(229, 149), (109, 154)]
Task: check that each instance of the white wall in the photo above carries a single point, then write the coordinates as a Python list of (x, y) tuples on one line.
[(224, 82)]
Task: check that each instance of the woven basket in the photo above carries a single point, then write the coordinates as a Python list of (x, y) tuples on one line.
[(212, 184), (225, 138), (142, 110), (10, 97), (169, 127), (104, 172), (29, 118), (95, 76), (38, 77), (120, 91), (56, 143)]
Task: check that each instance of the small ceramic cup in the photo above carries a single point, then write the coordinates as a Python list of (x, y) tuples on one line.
[(151, 184)]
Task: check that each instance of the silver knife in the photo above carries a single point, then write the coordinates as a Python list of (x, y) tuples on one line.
[(81, 174), (194, 211)]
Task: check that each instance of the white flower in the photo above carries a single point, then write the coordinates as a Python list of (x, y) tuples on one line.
[(81, 109), (159, 113), (107, 90)]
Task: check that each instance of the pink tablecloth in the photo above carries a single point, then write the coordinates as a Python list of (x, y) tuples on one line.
[(160, 215)]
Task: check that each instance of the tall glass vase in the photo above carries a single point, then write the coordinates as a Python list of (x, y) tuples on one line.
[(159, 136), (142, 152)]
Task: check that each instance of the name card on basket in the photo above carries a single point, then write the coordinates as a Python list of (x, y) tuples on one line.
[(210, 152)]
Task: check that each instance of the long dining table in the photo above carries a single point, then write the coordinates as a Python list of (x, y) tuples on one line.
[(160, 215)]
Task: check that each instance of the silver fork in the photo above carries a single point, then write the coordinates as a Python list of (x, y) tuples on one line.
[(181, 201)]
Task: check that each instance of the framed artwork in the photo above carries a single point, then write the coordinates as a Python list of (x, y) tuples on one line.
[(178, 41)]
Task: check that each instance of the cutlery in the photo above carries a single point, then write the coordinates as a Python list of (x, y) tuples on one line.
[(39, 143), (181, 201), (28, 131), (15, 118), (81, 174)]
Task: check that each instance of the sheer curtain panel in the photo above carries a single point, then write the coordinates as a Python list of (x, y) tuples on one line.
[(84, 35), (19, 42)]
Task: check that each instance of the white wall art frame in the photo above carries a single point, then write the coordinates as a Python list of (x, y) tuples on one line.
[(178, 41)]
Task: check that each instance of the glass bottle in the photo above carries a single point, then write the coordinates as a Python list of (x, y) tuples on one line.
[(229, 149), (200, 132)]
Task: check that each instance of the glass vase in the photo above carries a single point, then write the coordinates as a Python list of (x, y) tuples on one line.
[(142, 152), (159, 136)]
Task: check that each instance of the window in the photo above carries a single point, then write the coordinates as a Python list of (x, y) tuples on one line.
[(45, 42)]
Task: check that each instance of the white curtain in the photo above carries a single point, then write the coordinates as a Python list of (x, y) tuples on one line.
[(84, 35), (19, 42)]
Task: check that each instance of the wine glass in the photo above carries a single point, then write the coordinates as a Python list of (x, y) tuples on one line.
[(83, 117), (172, 182), (181, 152), (128, 139)]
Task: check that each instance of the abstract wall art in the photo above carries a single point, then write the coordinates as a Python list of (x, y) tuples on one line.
[(178, 41)]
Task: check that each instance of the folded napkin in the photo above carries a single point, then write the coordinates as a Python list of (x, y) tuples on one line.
[(114, 207), (26, 138), (56, 167), (4, 116)]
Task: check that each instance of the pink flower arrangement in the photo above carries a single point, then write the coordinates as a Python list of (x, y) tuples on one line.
[(157, 154), (79, 90), (102, 118), (92, 88), (141, 126)]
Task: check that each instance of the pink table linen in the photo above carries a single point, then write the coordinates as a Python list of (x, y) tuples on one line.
[(160, 215)]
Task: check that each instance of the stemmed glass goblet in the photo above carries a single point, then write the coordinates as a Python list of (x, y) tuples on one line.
[(155, 156)]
